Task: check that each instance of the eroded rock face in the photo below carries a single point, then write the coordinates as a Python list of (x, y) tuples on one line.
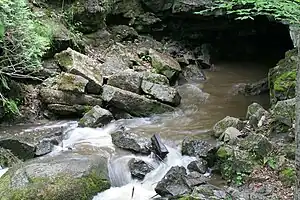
[(139, 168), (81, 65), (131, 141), (96, 117), (64, 176), (228, 121), (132, 103)]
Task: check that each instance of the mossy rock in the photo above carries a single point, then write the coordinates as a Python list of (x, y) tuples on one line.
[(67, 176), (282, 78), (7, 158)]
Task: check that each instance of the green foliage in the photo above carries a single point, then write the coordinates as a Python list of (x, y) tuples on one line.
[(285, 10), (288, 176), (270, 162), (286, 81), (23, 41)]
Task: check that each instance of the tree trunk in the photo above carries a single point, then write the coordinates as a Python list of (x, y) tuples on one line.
[(297, 123)]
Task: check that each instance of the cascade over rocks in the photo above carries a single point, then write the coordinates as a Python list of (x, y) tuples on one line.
[(96, 117), (65, 176)]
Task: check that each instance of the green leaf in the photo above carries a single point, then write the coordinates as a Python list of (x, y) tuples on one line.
[(2, 31)]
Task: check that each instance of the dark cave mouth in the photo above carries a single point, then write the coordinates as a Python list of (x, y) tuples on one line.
[(260, 40)]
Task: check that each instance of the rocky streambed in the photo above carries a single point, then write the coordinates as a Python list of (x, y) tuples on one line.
[(223, 115)]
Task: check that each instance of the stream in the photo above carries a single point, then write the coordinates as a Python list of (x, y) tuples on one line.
[(202, 105)]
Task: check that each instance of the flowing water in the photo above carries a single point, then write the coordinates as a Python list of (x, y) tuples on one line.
[(203, 104)]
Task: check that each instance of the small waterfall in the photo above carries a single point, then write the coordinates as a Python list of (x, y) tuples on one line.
[(123, 184)]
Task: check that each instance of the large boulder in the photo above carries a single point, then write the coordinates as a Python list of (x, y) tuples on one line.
[(199, 165), (284, 111), (164, 64), (128, 140), (114, 64), (282, 78), (228, 121), (50, 96), (65, 176), (257, 144), (193, 73), (26, 143), (67, 82), (96, 117), (173, 183), (127, 80), (132, 103), (197, 148), (155, 78), (81, 65), (139, 168), (163, 93)]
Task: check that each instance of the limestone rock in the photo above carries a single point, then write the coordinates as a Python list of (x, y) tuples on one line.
[(131, 141), (228, 121), (63, 176), (127, 80), (132, 103), (81, 65), (66, 82), (164, 64), (163, 93), (139, 168), (66, 110), (114, 64), (155, 78), (258, 144), (197, 148), (50, 96), (230, 135), (96, 117), (199, 165), (173, 183), (284, 111)]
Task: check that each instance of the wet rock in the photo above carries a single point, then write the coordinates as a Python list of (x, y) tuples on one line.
[(127, 80), (96, 117), (118, 113), (81, 65), (131, 141), (62, 110), (139, 168), (158, 147), (194, 179), (88, 16), (284, 111), (228, 121), (197, 148), (193, 73), (204, 192), (7, 158), (173, 183), (164, 64), (232, 160), (282, 78), (199, 165), (50, 96), (230, 135), (67, 82), (257, 88), (258, 144), (155, 78), (27, 143), (132, 103), (163, 93), (63, 176)]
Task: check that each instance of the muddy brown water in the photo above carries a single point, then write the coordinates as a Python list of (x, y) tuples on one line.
[(198, 112)]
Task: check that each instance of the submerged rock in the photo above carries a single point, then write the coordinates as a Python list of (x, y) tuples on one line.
[(164, 64), (173, 183), (139, 168), (163, 93), (130, 141), (133, 103), (81, 65), (64, 176), (197, 148), (96, 117), (228, 121)]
